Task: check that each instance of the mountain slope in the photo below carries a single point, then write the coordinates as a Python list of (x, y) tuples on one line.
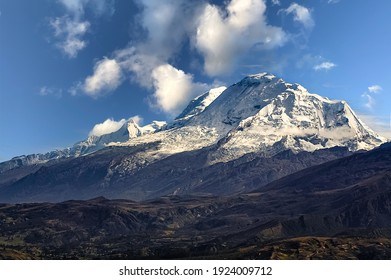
[(350, 219), (260, 114), (252, 125), (93, 143), (370, 167), (199, 104), (264, 114)]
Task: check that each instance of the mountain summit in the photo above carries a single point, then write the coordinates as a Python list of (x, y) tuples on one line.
[(227, 140), (264, 114)]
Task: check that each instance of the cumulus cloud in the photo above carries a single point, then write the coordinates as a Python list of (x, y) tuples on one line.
[(276, 2), (174, 88), (220, 35), (166, 23), (108, 126), (140, 64), (107, 76), (375, 89), (224, 35), (327, 65), (301, 14)]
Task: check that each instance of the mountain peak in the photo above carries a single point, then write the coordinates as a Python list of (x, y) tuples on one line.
[(198, 104), (261, 76), (260, 114)]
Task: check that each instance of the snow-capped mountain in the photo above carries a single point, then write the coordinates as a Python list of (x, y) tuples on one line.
[(199, 104), (196, 106), (129, 130), (267, 115), (226, 141), (260, 114)]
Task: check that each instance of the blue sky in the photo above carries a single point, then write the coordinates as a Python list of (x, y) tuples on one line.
[(68, 65)]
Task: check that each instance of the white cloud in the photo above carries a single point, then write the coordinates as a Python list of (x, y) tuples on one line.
[(167, 25), (369, 101), (137, 119), (325, 66), (140, 64), (108, 126), (74, 6), (107, 76), (224, 36), (50, 91), (379, 124), (301, 14), (174, 88), (375, 89), (276, 2), (70, 34), (316, 62), (333, 1), (71, 28), (99, 7)]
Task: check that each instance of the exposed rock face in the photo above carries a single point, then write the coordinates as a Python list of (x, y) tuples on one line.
[(304, 216)]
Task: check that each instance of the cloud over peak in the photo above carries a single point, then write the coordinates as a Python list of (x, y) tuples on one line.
[(174, 88), (110, 125), (222, 35)]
